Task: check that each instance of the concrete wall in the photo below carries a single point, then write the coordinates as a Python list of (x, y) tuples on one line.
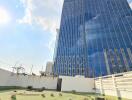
[(9, 79), (115, 85), (79, 84), (119, 85)]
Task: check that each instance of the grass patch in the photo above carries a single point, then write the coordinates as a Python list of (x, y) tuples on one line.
[(10, 88), (85, 99), (52, 95), (114, 98), (84, 94), (60, 94)]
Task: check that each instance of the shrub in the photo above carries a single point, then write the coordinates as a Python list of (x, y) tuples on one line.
[(73, 91), (39, 90), (60, 94), (13, 97), (29, 87), (100, 98), (43, 88), (52, 95), (43, 95)]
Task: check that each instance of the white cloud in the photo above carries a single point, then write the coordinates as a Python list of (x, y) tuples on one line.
[(130, 4), (28, 18), (49, 25), (45, 13)]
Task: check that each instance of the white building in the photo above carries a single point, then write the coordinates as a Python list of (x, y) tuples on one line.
[(49, 68)]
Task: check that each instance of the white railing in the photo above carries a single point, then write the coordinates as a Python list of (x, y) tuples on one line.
[(119, 85)]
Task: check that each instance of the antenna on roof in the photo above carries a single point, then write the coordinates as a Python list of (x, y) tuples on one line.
[(18, 70), (14, 68), (31, 70), (42, 73)]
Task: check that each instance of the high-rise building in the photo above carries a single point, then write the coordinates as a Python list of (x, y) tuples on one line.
[(49, 68), (95, 38)]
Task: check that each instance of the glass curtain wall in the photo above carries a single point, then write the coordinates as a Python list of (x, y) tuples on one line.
[(95, 38)]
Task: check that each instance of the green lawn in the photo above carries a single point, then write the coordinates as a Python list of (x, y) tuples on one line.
[(49, 95), (30, 95)]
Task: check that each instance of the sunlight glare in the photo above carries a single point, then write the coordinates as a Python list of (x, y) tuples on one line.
[(4, 16)]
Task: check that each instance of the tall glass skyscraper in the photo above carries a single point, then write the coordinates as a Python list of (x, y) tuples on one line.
[(95, 38)]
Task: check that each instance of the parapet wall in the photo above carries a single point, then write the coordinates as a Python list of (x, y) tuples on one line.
[(119, 85), (78, 84), (9, 79)]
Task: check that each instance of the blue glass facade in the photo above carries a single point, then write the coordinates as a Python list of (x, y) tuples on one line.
[(95, 38)]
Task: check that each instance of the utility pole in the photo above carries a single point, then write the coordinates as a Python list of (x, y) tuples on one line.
[(31, 70)]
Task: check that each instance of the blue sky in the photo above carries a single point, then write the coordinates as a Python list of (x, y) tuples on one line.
[(28, 34), (129, 0)]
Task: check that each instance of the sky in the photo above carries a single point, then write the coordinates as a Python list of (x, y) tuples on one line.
[(28, 32)]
